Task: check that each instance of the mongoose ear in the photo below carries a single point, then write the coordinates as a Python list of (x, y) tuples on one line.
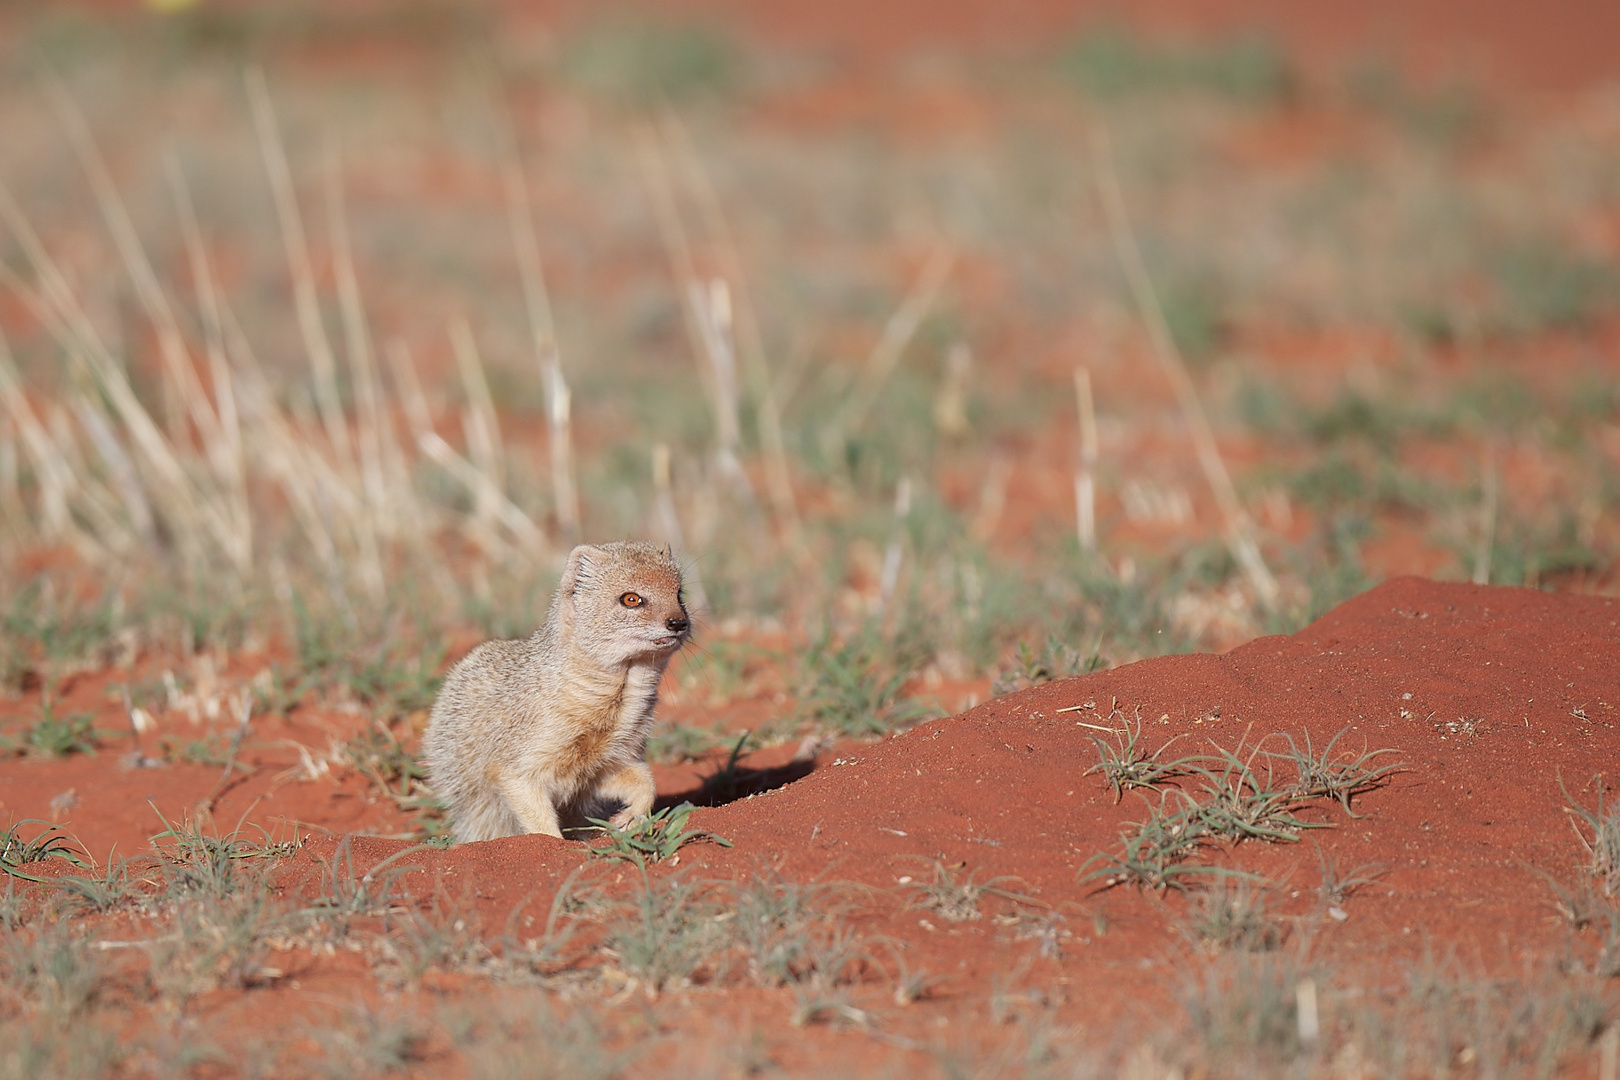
[(577, 571)]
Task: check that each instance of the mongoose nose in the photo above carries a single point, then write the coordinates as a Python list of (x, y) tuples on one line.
[(676, 625)]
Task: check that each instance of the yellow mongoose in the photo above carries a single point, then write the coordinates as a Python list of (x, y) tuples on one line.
[(527, 733)]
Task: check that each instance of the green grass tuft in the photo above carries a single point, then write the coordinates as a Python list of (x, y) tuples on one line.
[(653, 838), (53, 736), (48, 843)]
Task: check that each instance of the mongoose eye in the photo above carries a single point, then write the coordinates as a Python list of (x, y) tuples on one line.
[(631, 599)]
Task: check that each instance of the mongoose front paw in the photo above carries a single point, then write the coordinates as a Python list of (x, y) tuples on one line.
[(626, 818)]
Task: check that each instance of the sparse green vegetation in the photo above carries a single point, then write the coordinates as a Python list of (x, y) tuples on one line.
[(1116, 64), (1242, 802), (653, 838), (1329, 775), (1243, 1010), (856, 687), (117, 883), (1601, 838), (378, 754), (53, 736), (1445, 114), (1155, 853), (1233, 914), (43, 632), (1338, 886), (793, 934), (48, 842), (1228, 796), (214, 749), (1055, 660), (376, 1044), (958, 901), (666, 932), (645, 62), (1126, 764), (441, 938), (681, 742), (349, 895)]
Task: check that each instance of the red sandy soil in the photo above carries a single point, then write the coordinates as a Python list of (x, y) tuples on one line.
[(1491, 696)]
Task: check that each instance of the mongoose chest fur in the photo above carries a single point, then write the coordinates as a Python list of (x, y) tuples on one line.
[(529, 734)]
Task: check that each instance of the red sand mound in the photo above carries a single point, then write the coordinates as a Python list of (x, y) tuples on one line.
[(1488, 694)]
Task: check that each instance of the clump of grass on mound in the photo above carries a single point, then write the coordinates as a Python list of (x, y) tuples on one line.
[(654, 838), (48, 842), (1233, 914), (1592, 902), (1221, 798), (958, 901), (1055, 659), (1602, 839), (1126, 764)]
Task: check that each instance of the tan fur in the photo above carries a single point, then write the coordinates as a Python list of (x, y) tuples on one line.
[(529, 735)]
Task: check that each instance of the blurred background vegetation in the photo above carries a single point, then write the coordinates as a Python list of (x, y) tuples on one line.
[(284, 373)]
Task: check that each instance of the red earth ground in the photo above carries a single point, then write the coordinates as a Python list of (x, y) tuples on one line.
[(1492, 699), (1513, 697)]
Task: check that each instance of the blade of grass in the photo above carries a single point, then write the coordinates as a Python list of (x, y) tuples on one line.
[(1239, 529), (537, 301), (306, 298)]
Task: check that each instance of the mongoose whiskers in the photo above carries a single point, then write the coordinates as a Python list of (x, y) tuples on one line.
[(530, 733)]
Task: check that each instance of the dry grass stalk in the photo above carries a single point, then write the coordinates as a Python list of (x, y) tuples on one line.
[(524, 531), (1085, 490), (134, 486), (1239, 528), (707, 313), (897, 334), (889, 579), (668, 524), (677, 245), (153, 300), (778, 475), (950, 405), (51, 470), (280, 451), (357, 340), (306, 300), (191, 511), (712, 309), (226, 456), (415, 518), (479, 425), (992, 498), (559, 402), (11, 503), (125, 479)]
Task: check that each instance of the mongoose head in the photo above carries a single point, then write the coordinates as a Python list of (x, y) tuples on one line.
[(621, 602)]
